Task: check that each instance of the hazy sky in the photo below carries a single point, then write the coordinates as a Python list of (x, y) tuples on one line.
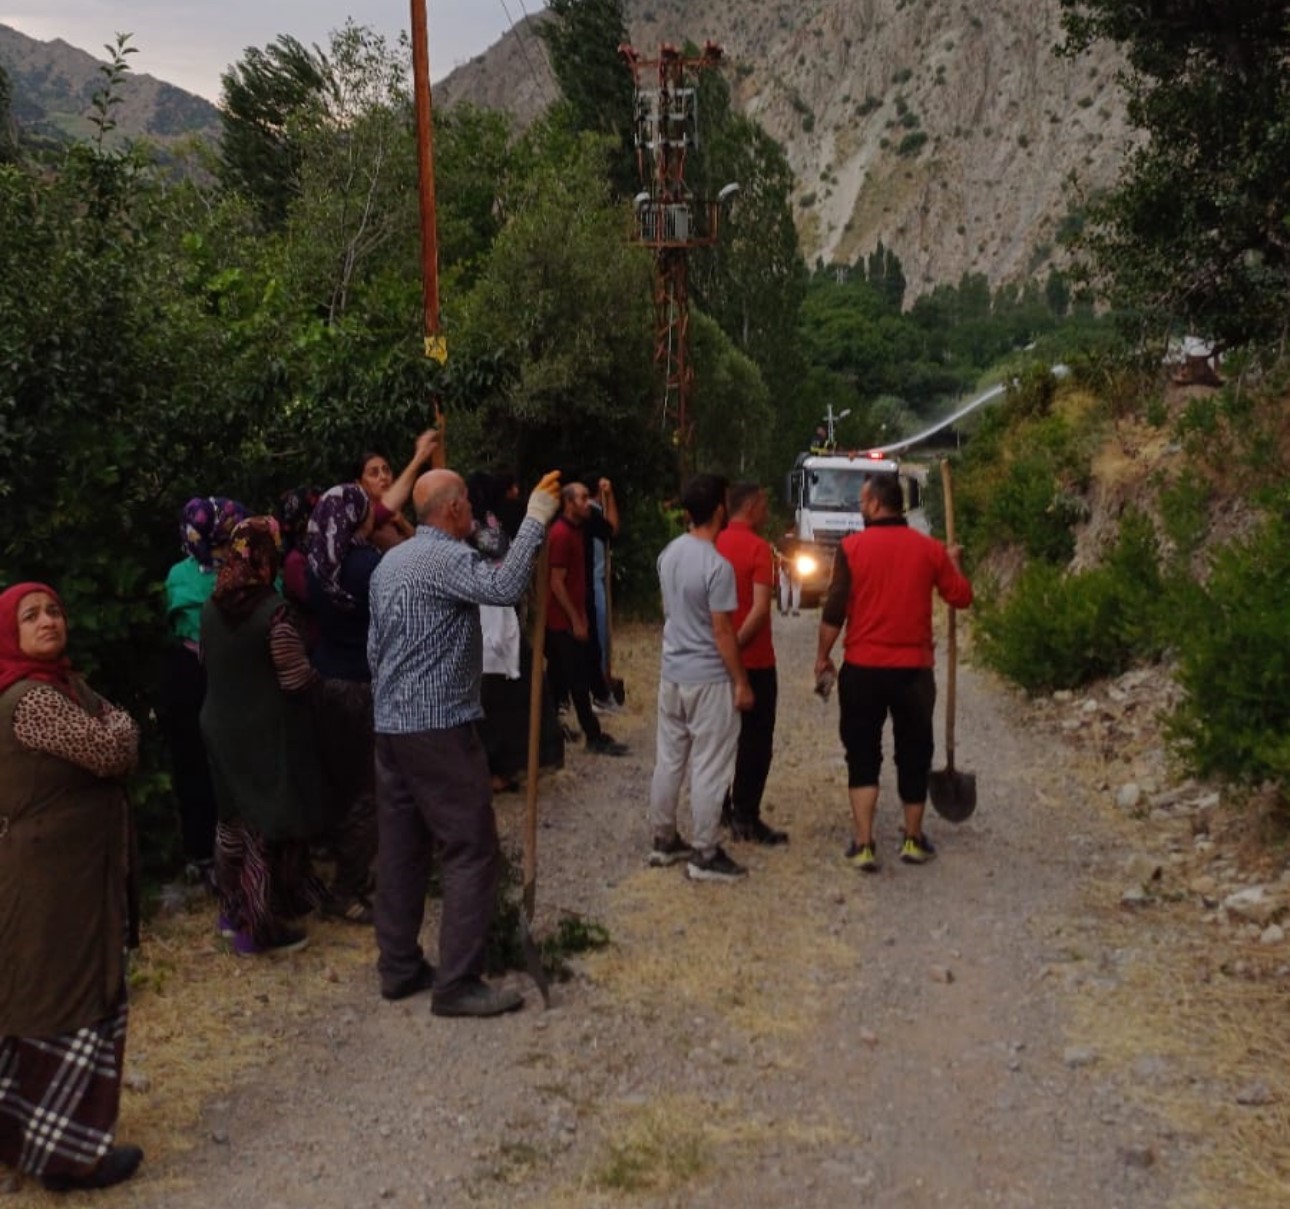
[(190, 42)]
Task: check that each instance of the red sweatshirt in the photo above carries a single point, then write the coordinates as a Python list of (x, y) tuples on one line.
[(882, 587)]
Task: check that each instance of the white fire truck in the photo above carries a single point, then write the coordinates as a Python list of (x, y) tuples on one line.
[(824, 493)]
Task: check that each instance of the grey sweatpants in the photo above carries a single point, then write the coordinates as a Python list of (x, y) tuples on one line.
[(698, 726)]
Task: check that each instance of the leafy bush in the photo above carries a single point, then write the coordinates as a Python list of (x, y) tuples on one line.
[(1059, 630), (912, 143), (1235, 665)]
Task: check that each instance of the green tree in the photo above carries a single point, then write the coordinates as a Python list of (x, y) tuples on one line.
[(8, 128), (752, 280), (354, 209), (582, 38), (1197, 232), (262, 99), (565, 301), (733, 420)]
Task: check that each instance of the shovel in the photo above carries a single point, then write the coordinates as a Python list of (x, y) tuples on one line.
[(532, 958), (953, 793)]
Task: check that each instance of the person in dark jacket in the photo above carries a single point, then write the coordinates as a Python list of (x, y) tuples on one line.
[(65, 905), (258, 724)]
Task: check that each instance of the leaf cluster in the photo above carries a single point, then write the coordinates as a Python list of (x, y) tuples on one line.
[(1195, 234)]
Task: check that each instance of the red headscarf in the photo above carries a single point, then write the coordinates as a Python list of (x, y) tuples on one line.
[(14, 664)]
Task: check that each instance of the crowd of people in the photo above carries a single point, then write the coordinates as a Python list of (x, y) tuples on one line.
[(343, 698)]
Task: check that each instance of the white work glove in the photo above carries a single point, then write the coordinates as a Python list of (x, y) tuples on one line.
[(544, 503)]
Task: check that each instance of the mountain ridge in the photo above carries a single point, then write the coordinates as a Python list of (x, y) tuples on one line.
[(952, 134), (53, 84)]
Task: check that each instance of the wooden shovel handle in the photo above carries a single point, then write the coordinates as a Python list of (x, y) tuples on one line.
[(951, 636), (541, 576), (609, 612)]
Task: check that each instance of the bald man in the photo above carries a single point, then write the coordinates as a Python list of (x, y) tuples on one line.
[(426, 653)]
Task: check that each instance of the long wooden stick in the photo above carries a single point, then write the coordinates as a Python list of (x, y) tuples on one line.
[(540, 579), (951, 637), (436, 347)]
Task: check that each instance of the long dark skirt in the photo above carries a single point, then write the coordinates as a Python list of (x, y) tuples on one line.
[(261, 883), (183, 689), (343, 717), (504, 729), (60, 1097)]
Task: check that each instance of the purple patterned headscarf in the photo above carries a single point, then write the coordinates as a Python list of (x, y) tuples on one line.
[(207, 526), (337, 514)]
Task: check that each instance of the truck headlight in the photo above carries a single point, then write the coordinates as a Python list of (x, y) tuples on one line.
[(805, 565)]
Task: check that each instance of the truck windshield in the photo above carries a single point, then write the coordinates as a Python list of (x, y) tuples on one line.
[(834, 490)]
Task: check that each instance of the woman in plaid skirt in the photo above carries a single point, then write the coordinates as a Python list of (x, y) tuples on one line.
[(65, 914)]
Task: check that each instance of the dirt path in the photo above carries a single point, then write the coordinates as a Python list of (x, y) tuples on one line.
[(807, 1038)]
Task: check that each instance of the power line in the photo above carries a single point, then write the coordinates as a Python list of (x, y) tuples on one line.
[(523, 49)]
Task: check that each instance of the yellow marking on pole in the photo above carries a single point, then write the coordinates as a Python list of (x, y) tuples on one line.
[(437, 348)]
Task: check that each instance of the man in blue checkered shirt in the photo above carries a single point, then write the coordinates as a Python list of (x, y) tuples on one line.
[(426, 653)]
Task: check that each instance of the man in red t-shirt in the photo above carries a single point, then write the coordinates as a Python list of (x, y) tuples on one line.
[(567, 633), (750, 555), (883, 580)]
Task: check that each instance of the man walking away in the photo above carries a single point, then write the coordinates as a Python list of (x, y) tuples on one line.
[(426, 653), (567, 633), (750, 554), (702, 688), (881, 591)]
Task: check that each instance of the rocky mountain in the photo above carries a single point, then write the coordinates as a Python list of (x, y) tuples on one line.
[(53, 83), (948, 130)]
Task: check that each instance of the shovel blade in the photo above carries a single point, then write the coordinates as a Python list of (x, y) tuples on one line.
[(533, 960), (953, 794)]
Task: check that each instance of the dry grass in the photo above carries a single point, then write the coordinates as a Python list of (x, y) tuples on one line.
[(735, 956), (741, 956), (659, 1148)]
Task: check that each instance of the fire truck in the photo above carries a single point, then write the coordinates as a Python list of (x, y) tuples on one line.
[(824, 493)]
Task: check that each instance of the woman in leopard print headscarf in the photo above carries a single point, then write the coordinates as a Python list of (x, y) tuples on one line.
[(64, 899)]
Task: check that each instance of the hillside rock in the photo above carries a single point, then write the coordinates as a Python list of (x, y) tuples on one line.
[(950, 132)]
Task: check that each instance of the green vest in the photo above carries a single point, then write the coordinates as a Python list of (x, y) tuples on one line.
[(63, 852), (260, 741)]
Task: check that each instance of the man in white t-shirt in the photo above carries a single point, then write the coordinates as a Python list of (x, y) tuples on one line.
[(702, 688)]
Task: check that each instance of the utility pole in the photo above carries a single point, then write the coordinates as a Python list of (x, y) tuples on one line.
[(436, 347), (669, 219)]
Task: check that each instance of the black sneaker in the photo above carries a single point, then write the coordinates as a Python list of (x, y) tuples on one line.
[(477, 998), (606, 745), (758, 832), (715, 868), (422, 980), (669, 852), (115, 1167)]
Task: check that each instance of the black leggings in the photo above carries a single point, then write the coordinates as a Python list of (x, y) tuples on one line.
[(866, 696)]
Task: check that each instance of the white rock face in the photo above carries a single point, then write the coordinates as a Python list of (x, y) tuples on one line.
[(946, 131)]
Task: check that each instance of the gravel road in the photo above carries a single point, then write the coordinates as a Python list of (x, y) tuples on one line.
[(810, 1037)]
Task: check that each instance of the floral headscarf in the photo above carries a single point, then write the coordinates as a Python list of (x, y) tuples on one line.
[(207, 525), (294, 510), (338, 513), (15, 664), (247, 574)]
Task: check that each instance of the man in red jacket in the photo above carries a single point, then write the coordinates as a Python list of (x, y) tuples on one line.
[(883, 579), (742, 546)]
